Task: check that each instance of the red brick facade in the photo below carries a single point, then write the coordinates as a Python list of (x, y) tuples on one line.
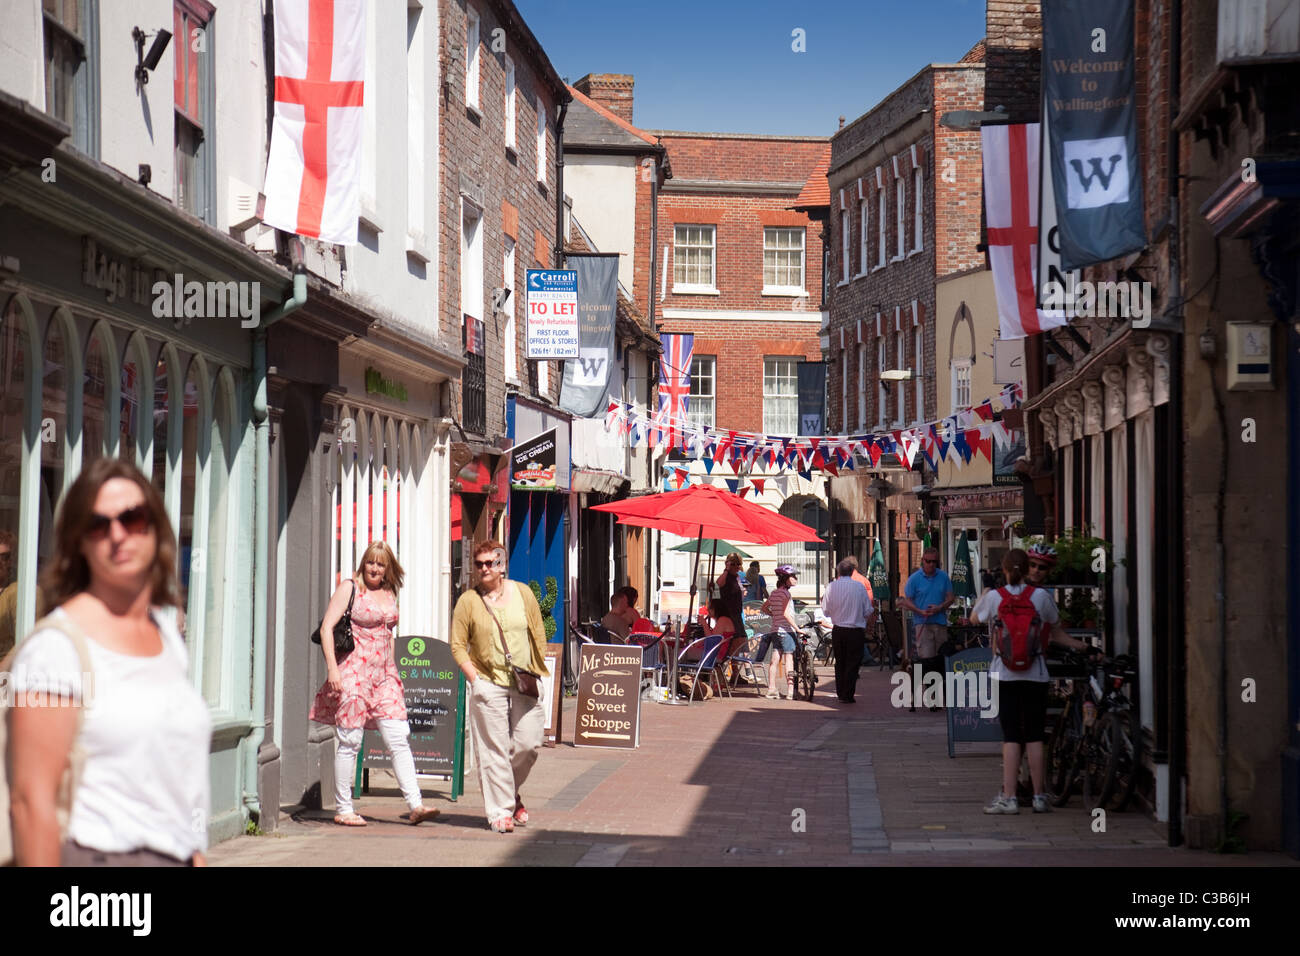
[(740, 185), (897, 299), (476, 167)]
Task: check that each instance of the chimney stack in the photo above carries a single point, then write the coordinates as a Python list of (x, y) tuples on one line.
[(611, 90)]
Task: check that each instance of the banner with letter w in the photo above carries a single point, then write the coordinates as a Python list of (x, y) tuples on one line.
[(586, 378), (1089, 92)]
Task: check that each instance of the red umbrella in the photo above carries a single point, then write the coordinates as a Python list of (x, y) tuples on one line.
[(702, 511)]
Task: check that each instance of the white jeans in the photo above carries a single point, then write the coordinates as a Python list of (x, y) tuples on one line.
[(348, 745)]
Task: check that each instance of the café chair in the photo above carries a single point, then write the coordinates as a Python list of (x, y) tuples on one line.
[(710, 648)]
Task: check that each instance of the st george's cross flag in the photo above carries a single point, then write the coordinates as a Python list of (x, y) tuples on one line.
[(313, 173), (1011, 207)]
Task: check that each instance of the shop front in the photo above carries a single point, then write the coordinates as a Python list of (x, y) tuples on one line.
[(126, 331), (985, 515)]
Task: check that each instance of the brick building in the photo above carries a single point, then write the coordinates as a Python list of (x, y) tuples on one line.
[(735, 259), (502, 111), (905, 198)]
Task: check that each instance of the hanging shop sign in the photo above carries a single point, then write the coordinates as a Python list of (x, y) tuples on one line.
[(585, 388), (532, 464)]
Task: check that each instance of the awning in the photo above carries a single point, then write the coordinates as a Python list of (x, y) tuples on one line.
[(587, 480)]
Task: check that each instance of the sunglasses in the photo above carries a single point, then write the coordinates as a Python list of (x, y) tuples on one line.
[(486, 564), (929, 561), (135, 520)]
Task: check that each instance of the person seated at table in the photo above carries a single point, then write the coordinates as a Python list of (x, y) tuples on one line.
[(618, 622), (716, 625)]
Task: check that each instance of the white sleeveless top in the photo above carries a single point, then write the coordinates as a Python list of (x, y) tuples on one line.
[(146, 734)]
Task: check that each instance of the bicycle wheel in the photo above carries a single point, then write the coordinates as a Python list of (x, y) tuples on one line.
[(1124, 758), (807, 677), (1094, 758), (1061, 755)]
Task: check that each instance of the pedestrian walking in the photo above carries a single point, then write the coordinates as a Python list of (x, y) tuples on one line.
[(1019, 607), (497, 630), (364, 691), (848, 605), (780, 608), (100, 686), (757, 584), (928, 594)]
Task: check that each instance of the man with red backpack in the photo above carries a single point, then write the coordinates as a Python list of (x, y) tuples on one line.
[(1021, 622)]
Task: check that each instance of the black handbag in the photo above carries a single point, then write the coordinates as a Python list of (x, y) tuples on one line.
[(526, 682), (343, 643)]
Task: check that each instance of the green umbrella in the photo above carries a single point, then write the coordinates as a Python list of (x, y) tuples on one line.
[(877, 574), (926, 542), (714, 546), (962, 584)]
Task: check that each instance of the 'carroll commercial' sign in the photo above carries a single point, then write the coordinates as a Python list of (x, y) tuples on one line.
[(552, 314)]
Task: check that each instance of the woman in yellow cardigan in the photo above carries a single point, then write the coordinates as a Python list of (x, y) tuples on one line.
[(507, 725)]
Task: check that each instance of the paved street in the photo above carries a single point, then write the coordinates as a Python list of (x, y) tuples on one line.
[(719, 783)]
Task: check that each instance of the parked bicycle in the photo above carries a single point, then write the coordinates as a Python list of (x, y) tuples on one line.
[(805, 673), (1095, 746)]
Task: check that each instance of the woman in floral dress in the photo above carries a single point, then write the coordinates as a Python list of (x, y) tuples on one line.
[(363, 691)]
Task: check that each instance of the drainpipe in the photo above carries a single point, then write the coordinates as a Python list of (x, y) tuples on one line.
[(650, 571), (261, 535), (1177, 611), (560, 237)]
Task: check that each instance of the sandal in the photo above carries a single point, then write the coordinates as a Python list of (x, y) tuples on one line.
[(521, 815), (420, 814), (503, 825), (349, 820)]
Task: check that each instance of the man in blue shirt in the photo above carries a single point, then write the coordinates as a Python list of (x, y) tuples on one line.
[(928, 595)]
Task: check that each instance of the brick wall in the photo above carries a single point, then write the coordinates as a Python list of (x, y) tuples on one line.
[(474, 145), (740, 346), (611, 90), (1013, 54), (950, 229)]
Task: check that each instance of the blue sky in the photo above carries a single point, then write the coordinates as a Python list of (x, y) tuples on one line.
[(728, 66)]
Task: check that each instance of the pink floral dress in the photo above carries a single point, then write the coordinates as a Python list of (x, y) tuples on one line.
[(372, 691)]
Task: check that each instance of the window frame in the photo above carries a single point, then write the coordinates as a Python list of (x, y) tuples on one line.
[(882, 236), (198, 123), (473, 40), (882, 393), (510, 335), (799, 289), (696, 288), (864, 255), (900, 201), (542, 124), (918, 184), (846, 222), (775, 376), (900, 347), (85, 93), (844, 389), (957, 366), (511, 95), (862, 385), (918, 363), (695, 399)]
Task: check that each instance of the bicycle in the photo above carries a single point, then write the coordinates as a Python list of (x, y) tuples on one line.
[(805, 674), (1095, 744)]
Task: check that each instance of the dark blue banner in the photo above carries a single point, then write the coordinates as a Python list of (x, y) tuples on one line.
[(1089, 106)]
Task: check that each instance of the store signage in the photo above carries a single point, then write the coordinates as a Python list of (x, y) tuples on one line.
[(982, 501), (432, 681), (553, 314), (376, 384), (116, 276), (967, 673), (609, 696), (532, 464)]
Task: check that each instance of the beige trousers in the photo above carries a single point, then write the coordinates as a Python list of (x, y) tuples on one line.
[(507, 728)]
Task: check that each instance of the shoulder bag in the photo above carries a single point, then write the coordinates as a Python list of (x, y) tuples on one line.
[(76, 758), (343, 643), (526, 682)]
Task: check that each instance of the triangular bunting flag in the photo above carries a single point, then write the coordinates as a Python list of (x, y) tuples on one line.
[(758, 484), (732, 484), (782, 483)]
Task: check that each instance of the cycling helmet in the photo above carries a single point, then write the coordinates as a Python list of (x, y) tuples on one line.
[(1043, 552), (787, 570)]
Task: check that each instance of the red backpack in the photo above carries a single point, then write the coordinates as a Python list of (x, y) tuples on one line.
[(1018, 630)]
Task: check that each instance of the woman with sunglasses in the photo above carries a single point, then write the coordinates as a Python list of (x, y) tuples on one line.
[(364, 691), (106, 673), (507, 724)]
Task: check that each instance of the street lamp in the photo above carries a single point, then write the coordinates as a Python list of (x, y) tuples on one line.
[(969, 120)]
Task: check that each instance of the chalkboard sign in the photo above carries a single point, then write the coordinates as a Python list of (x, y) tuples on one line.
[(965, 723), (433, 685), (609, 696)]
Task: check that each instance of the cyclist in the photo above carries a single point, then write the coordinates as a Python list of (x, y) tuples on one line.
[(780, 608), (1021, 695)]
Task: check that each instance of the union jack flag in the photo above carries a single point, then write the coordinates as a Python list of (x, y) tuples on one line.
[(674, 386)]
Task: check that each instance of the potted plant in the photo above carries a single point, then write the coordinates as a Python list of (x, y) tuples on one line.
[(1077, 555)]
